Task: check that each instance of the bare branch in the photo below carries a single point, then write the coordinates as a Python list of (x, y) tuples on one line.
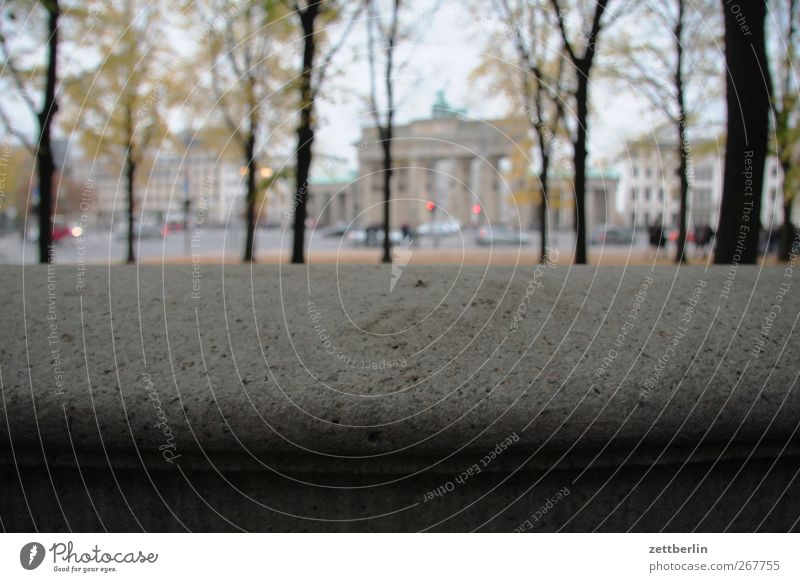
[(326, 61), (563, 29), (10, 127), (373, 90), (230, 45), (226, 113), (15, 74)]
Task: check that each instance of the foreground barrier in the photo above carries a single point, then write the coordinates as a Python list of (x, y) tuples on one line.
[(360, 399)]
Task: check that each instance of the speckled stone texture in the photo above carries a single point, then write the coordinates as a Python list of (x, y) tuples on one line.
[(324, 399)]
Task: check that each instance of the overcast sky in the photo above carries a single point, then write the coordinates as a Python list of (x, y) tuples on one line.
[(444, 53), (443, 57)]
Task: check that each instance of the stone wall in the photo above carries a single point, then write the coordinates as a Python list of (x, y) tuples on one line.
[(533, 398)]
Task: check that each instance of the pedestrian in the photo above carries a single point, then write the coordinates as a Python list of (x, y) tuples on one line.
[(657, 237), (371, 239), (702, 238)]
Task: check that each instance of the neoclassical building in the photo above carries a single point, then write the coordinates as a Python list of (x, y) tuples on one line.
[(472, 170)]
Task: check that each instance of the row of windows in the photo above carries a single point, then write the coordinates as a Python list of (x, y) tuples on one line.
[(647, 194), (702, 173), (700, 195)]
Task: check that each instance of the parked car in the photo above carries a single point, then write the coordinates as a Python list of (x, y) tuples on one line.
[(603, 234), (439, 228), (152, 231), (337, 230), (673, 235), (372, 236), (61, 231), (174, 226), (500, 234), (144, 231)]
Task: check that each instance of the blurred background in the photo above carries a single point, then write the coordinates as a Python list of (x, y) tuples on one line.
[(501, 131)]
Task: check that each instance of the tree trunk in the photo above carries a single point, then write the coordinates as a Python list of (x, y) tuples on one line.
[(388, 134), (787, 229), (544, 178), (579, 157), (387, 195), (45, 169), (130, 174), (583, 66), (683, 157), (784, 128), (305, 131), (44, 153), (250, 242), (683, 145), (748, 103)]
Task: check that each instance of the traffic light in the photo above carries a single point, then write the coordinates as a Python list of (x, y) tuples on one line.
[(476, 209), (430, 205)]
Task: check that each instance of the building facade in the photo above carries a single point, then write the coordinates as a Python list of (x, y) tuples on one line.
[(172, 183), (467, 169), (650, 185)]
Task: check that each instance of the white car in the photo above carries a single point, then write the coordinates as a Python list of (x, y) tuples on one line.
[(148, 230), (499, 234), (439, 228), (358, 237)]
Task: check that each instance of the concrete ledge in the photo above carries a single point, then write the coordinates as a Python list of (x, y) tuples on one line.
[(286, 398)]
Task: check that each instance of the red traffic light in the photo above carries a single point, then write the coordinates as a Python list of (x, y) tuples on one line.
[(476, 209), (430, 205)]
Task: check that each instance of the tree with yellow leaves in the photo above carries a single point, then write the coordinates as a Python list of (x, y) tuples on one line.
[(525, 67), (15, 19), (313, 16), (243, 47), (540, 76), (118, 105)]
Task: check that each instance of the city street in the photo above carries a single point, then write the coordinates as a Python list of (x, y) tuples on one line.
[(214, 245)]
